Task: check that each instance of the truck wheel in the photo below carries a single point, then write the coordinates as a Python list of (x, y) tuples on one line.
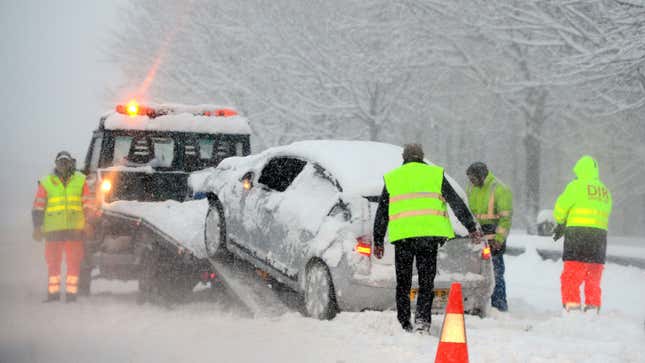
[(319, 296), (177, 289), (148, 277), (215, 229)]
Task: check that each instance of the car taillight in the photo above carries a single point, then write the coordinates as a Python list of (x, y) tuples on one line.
[(363, 246), (486, 251), (207, 276)]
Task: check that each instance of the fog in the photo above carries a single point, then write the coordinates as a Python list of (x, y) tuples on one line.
[(55, 82), (469, 80)]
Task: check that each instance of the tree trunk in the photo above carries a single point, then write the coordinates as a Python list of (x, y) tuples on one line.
[(533, 148)]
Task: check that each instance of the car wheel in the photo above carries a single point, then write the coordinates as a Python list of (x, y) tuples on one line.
[(319, 296), (215, 230)]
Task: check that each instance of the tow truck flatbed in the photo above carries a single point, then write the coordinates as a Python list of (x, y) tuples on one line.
[(179, 227)]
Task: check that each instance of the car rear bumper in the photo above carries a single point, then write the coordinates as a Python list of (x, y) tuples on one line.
[(357, 293)]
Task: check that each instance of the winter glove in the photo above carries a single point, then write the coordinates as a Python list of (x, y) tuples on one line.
[(558, 232), (495, 246), (378, 252), (476, 237), (37, 234)]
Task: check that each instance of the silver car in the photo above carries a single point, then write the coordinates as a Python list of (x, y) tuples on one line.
[(304, 213)]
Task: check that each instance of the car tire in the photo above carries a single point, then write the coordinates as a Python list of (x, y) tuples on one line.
[(148, 277), (482, 311), (215, 229), (319, 296)]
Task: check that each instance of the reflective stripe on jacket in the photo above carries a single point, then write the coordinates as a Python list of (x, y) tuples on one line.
[(416, 206), (64, 204), (492, 204), (586, 201)]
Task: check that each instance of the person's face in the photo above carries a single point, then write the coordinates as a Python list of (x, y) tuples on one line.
[(476, 180), (64, 166)]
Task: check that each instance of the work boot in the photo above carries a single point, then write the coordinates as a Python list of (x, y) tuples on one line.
[(407, 327), (422, 327), (570, 306), (70, 298), (592, 307), (52, 297)]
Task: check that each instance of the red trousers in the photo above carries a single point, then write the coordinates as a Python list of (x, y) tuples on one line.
[(53, 257), (574, 274)]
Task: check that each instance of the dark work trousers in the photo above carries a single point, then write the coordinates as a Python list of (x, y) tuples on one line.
[(498, 299), (425, 251)]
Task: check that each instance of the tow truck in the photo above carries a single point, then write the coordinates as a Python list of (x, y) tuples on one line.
[(137, 165)]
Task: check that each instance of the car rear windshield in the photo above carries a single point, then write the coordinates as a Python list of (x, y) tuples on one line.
[(171, 151)]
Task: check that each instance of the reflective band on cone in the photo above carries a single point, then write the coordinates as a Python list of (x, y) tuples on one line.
[(452, 345)]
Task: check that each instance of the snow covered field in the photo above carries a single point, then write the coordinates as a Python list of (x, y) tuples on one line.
[(110, 327)]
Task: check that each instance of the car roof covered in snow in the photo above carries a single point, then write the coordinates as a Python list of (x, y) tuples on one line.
[(358, 166), (179, 118)]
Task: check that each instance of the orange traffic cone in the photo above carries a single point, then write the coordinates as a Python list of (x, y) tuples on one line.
[(452, 345)]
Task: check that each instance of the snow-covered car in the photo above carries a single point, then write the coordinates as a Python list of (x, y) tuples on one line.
[(545, 222), (304, 213)]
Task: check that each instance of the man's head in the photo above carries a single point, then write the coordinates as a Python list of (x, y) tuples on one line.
[(64, 164), (477, 173), (412, 152)]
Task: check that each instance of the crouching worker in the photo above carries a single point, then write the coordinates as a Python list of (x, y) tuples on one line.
[(582, 214), (492, 203), (62, 203)]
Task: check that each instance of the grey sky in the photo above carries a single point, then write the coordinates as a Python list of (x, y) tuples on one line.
[(54, 78)]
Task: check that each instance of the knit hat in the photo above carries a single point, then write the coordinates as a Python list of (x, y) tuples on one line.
[(64, 155), (412, 152), (477, 169)]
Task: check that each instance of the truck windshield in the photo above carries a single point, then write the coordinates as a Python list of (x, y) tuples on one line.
[(158, 152), (171, 151)]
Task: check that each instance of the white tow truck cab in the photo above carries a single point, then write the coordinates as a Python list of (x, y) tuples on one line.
[(144, 153)]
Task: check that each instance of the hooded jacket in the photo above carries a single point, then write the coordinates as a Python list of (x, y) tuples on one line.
[(584, 207)]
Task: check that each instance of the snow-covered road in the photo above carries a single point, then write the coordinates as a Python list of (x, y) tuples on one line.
[(110, 327)]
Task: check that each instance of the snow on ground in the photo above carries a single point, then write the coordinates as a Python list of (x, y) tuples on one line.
[(110, 327)]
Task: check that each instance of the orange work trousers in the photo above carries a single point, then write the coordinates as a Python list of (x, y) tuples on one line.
[(574, 274), (53, 257)]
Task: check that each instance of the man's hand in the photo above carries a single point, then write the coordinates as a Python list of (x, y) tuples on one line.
[(378, 252), (558, 232), (476, 237), (37, 234), (495, 245)]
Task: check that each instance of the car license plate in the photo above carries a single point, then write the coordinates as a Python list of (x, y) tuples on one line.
[(440, 295)]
